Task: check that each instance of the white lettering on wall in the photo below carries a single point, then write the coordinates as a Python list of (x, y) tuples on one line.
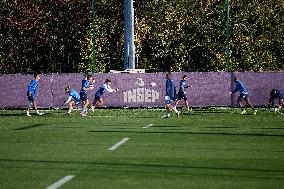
[(141, 94)]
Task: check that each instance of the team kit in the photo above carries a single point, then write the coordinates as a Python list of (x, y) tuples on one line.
[(172, 96)]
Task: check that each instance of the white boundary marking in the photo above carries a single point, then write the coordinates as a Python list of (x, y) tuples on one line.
[(118, 144), (150, 125), (60, 182)]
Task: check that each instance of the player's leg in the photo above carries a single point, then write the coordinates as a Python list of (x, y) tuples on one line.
[(71, 105), (30, 103), (168, 110), (250, 105), (100, 102), (35, 107), (85, 103), (270, 102), (281, 103), (186, 102), (239, 102)]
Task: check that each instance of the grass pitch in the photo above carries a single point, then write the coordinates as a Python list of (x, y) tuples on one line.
[(207, 148)]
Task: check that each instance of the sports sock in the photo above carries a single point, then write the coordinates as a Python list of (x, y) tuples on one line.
[(174, 109)]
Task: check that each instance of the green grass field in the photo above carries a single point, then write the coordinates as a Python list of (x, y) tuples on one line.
[(209, 148)]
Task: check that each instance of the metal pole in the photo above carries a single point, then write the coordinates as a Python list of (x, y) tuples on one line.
[(228, 35), (129, 47), (93, 38)]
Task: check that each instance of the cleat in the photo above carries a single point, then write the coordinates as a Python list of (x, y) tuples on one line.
[(28, 114), (40, 114), (178, 113), (166, 116), (68, 113), (243, 112), (255, 111), (83, 114)]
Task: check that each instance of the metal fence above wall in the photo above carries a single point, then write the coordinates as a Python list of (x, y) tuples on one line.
[(141, 90)]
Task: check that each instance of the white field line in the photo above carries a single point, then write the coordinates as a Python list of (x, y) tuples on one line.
[(118, 144), (60, 182), (150, 125)]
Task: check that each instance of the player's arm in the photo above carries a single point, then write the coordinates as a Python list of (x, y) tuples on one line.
[(88, 87), (109, 89), (188, 86), (235, 90)]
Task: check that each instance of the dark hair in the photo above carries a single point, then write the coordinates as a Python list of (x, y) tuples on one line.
[(168, 75), (67, 88), (108, 80), (36, 74), (89, 77), (184, 76)]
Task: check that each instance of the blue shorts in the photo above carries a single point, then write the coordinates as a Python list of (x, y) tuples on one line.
[(83, 95), (243, 96), (77, 101), (30, 98), (98, 97), (182, 95)]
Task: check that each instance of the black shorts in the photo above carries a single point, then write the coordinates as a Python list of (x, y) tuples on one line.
[(83, 95), (182, 95), (243, 96), (30, 98)]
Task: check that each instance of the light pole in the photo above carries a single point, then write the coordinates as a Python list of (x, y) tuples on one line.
[(228, 35), (93, 38), (129, 47)]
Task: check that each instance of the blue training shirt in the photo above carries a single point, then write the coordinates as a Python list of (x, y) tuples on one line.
[(104, 87), (276, 94), (74, 95), (32, 87), (170, 89), (85, 85), (240, 87), (183, 84)]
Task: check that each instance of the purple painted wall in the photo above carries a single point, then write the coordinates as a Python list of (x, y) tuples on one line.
[(147, 90)]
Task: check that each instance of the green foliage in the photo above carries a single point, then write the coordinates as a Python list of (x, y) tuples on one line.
[(188, 35)]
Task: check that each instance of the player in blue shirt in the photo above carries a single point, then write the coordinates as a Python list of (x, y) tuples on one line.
[(32, 94), (243, 95), (87, 84), (276, 94), (182, 92), (73, 98), (170, 96), (98, 101)]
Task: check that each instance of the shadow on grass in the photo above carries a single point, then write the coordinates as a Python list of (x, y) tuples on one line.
[(113, 164), (191, 133), (30, 127), (22, 114)]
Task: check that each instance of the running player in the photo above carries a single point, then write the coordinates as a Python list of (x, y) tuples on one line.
[(243, 95), (182, 92), (32, 93), (87, 84), (170, 96), (98, 101), (73, 98), (276, 94)]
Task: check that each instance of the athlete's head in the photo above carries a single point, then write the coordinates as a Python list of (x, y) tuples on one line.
[(37, 76), (90, 78), (67, 89), (184, 77), (235, 79), (108, 81)]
